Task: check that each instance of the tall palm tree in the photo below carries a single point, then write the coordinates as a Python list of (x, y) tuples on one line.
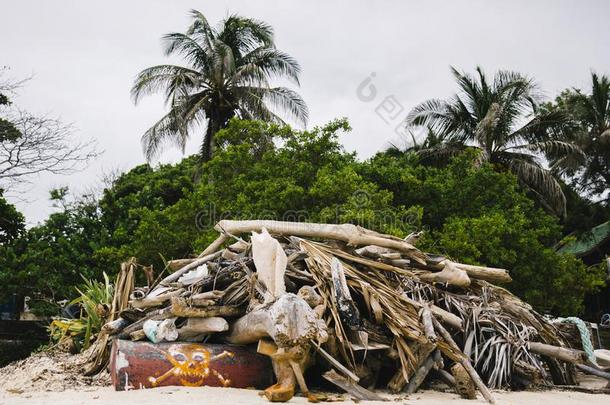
[(590, 117), (501, 121), (226, 74)]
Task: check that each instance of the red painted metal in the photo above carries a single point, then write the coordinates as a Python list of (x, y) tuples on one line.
[(135, 365)]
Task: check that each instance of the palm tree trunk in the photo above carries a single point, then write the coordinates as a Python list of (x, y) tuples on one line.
[(217, 120)]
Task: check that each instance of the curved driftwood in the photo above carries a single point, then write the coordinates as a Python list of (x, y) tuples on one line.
[(289, 321), (560, 353), (464, 362), (349, 233), (451, 274)]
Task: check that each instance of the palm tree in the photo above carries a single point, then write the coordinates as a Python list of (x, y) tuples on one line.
[(226, 74), (590, 117), (501, 121)]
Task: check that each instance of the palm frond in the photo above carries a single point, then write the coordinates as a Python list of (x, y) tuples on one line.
[(163, 77), (541, 181), (274, 63), (170, 128)]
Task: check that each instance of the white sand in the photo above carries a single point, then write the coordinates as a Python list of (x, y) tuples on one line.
[(232, 396)]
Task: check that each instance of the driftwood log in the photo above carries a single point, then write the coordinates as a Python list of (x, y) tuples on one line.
[(465, 361), (451, 274), (289, 321), (560, 353), (195, 328), (358, 392), (348, 233), (180, 308), (348, 311)]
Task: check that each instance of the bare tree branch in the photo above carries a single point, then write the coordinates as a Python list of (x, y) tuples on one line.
[(46, 145)]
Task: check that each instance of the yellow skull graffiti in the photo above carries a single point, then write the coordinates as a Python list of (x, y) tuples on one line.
[(191, 365)]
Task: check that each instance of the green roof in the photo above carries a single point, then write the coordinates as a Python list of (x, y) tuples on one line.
[(587, 242)]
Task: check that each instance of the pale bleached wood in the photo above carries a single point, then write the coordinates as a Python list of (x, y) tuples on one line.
[(491, 274), (270, 262), (157, 300), (336, 364), (422, 372), (465, 361), (426, 317), (202, 326), (451, 274), (289, 321), (356, 391), (560, 353), (349, 233), (180, 308), (191, 266), (177, 264), (214, 246)]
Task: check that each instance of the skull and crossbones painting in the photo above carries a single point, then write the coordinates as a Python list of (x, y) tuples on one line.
[(191, 365)]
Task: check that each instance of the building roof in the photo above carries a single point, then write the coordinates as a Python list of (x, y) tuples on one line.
[(588, 241)]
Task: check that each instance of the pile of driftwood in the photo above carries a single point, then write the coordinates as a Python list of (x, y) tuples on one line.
[(369, 310)]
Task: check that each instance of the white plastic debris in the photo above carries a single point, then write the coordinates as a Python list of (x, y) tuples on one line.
[(159, 331), (195, 275)]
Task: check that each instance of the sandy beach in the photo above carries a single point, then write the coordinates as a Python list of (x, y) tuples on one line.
[(209, 395), (215, 396)]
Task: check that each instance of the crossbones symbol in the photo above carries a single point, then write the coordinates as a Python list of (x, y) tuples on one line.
[(191, 364)]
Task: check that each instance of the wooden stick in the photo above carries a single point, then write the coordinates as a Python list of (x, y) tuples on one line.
[(450, 274), (593, 371), (214, 246), (179, 308), (177, 264), (114, 327), (155, 301), (422, 372), (138, 335), (355, 390), (426, 317), (491, 274), (446, 377), (193, 265), (348, 233), (465, 361), (298, 373), (560, 353), (348, 311), (335, 363), (196, 327)]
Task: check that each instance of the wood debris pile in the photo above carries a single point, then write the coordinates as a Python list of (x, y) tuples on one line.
[(369, 310)]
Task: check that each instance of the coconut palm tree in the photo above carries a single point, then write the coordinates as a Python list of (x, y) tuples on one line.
[(500, 120), (226, 73), (590, 118)]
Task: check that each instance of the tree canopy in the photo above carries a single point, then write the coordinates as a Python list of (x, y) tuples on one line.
[(499, 118), (589, 115), (227, 74), (474, 214)]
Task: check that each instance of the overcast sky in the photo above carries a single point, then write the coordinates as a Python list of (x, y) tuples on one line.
[(84, 56)]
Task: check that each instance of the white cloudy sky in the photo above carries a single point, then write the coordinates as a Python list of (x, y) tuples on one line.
[(84, 56)]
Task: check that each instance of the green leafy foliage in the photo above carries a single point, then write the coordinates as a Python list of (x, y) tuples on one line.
[(95, 298), (12, 222), (8, 131), (589, 116), (478, 215), (475, 214)]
